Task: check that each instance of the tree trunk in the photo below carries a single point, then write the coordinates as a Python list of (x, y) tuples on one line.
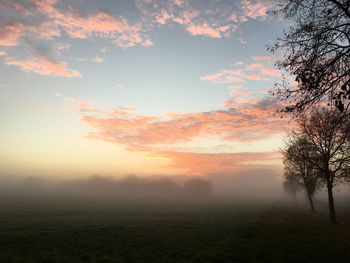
[(310, 201), (331, 203)]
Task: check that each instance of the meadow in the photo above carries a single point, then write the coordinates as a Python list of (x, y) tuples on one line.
[(171, 231)]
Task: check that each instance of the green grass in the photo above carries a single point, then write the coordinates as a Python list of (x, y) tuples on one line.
[(173, 233)]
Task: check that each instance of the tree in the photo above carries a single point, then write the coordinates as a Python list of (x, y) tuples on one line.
[(290, 184), (328, 135), (296, 158), (316, 51)]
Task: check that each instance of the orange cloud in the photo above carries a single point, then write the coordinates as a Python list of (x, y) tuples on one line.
[(249, 120), (43, 66), (223, 163)]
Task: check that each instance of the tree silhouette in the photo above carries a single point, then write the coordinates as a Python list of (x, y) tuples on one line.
[(316, 51), (327, 134), (296, 158), (291, 184)]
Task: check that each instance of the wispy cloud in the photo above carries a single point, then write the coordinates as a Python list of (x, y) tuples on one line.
[(43, 66), (97, 59), (261, 68)]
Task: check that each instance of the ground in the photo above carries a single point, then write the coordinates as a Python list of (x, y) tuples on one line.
[(173, 232)]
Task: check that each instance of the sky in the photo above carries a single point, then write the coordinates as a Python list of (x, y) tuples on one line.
[(144, 87)]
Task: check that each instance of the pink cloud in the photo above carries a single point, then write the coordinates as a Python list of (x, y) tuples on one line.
[(203, 29), (2, 53), (9, 34), (253, 77), (163, 17), (264, 70), (255, 10), (43, 66)]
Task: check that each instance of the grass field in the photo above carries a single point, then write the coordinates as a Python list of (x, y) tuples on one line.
[(173, 232)]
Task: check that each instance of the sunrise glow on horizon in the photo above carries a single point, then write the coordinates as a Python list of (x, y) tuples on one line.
[(146, 87)]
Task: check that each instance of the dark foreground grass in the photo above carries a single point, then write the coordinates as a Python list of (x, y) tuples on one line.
[(197, 233)]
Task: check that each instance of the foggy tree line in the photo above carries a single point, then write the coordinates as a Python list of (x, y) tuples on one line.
[(315, 50), (130, 186)]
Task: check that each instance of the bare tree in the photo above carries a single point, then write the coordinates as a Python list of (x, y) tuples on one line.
[(316, 51), (296, 158), (327, 133)]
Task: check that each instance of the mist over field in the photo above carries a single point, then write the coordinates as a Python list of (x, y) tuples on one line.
[(261, 186)]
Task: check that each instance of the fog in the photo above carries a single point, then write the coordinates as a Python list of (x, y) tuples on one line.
[(98, 191)]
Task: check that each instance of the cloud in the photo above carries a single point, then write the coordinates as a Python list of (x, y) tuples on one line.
[(81, 103), (43, 66), (238, 63), (223, 163), (226, 76), (204, 29), (28, 21), (2, 53), (260, 69), (147, 43), (97, 59), (201, 18), (99, 24), (255, 9), (63, 46), (170, 136), (250, 120), (9, 34)]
